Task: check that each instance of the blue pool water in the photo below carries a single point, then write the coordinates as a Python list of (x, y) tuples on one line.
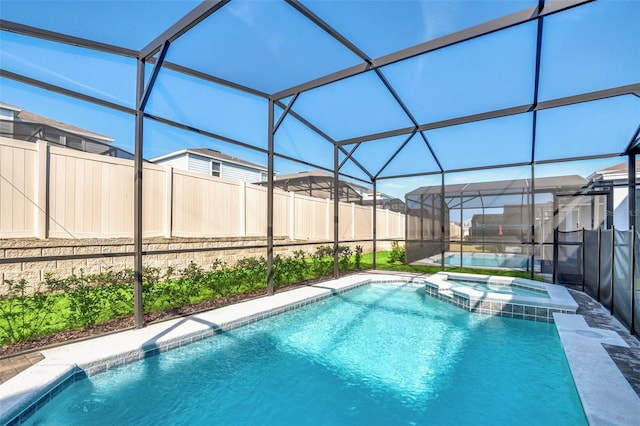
[(487, 260), (382, 354), (493, 288)]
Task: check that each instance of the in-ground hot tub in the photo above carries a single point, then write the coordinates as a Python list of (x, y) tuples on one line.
[(504, 296)]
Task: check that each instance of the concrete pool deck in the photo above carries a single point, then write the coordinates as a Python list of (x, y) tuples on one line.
[(606, 395)]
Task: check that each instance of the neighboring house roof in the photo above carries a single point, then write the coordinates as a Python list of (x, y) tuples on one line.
[(310, 173), (30, 117), (316, 176), (507, 186), (9, 106), (317, 184), (323, 181), (615, 172), (213, 154)]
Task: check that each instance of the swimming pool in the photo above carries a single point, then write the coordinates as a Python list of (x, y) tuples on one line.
[(485, 260), (385, 353)]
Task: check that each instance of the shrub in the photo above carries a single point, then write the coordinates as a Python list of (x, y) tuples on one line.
[(86, 301), (118, 290), (322, 261), (289, 269), (299, 265), (397, 253), (251, 273), (358, 256), (218, 281), (153, 286), (344, 254), (25, 314), (178, 292)]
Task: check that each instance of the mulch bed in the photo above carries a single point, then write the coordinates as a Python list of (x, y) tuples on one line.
[(120, 324)]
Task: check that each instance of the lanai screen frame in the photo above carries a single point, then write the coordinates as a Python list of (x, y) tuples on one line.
[(160, 45)]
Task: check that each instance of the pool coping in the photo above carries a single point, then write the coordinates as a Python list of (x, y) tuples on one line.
[(606, 395), (23, 394)]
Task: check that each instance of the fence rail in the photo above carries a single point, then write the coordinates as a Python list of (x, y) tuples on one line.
[(48, 191)]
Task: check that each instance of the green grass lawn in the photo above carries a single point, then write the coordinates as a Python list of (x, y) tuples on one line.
[(92, 302)]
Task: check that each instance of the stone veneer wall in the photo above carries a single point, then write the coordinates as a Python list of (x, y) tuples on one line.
[(34, 272)]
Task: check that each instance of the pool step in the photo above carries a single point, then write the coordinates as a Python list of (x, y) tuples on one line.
[(446, 293)]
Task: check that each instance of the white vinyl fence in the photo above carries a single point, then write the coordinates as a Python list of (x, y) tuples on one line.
[(54, 192)]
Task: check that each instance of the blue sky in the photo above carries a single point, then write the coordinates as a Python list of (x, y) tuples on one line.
[(270, 46)]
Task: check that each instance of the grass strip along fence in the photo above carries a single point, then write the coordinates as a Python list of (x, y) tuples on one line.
[(81, 301)]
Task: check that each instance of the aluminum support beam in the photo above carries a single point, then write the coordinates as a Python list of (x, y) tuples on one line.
[(500, 166), (632, 226), (480, 30), (439, 43), (210, 78), (629, 89), (633, 143), (536, 82), (202, 132), (556, 213), (408, 113), (306, 163), (433, 153), (285, 113), (395, 154), (327, 28), (327, 138), (349, 45), (190, 20), (631, 177), (532, 219), (377, 136), (138, 310), (439, 124), (461, 228), (356, 162), (324, 136), (336, 213), (375, 222), (534, 126), (348, 156), (634, 285), (442, 219), (142, 102), (569, 100), (56, 37), (66, 92), (271, 132)]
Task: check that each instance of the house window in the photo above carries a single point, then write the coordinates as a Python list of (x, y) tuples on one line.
[(50, 136), (263, 176), (73, 142), (215, 169), (6, 128)]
